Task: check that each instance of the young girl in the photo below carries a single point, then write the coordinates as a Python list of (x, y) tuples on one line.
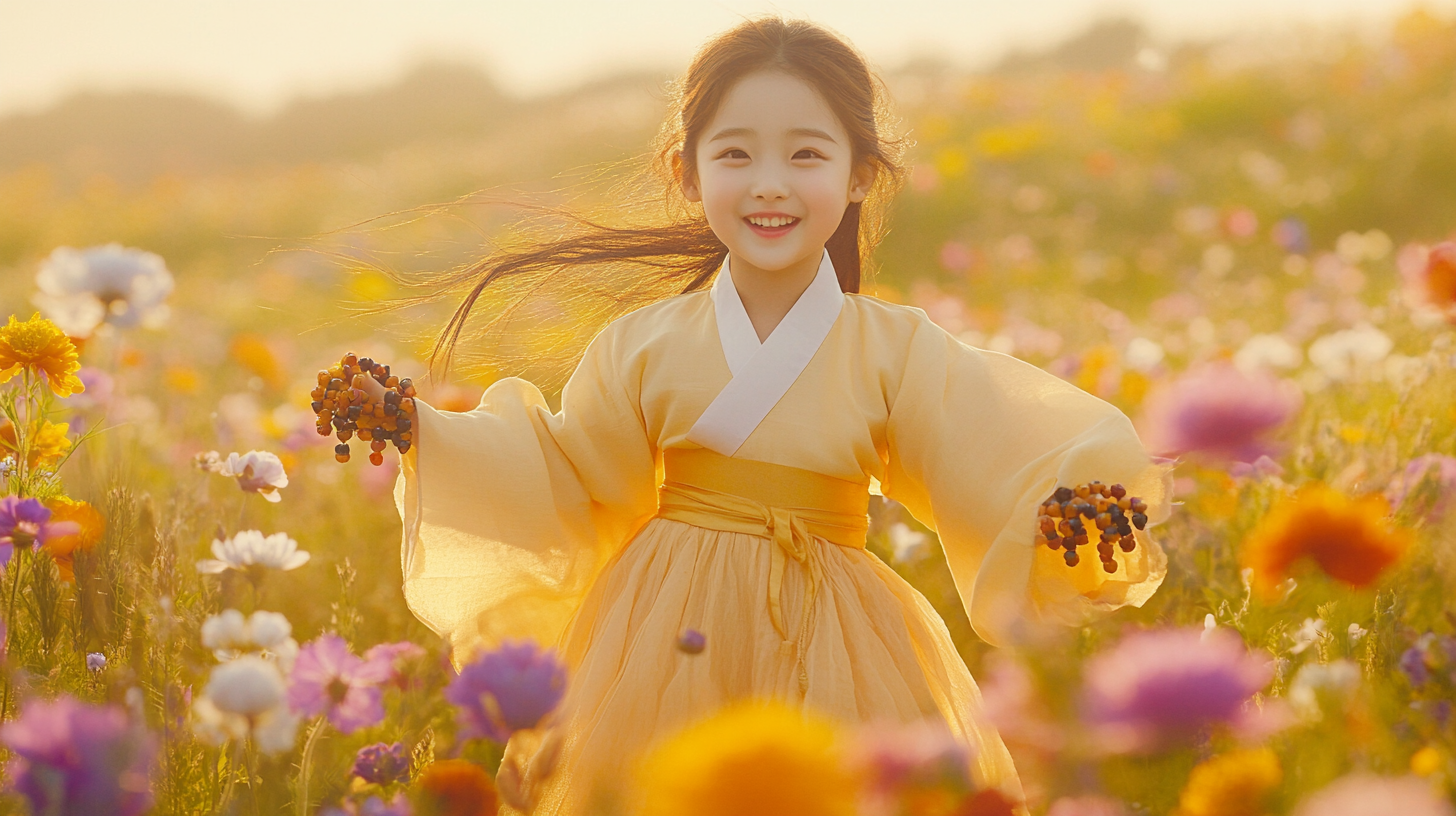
[(711, 464)]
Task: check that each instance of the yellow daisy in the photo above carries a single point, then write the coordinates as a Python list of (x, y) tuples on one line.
[(764, 758), (63, 548), (48, 442), (1233, 784), (40, 345)]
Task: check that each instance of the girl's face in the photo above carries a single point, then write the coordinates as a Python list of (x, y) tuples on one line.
[(775, 154)]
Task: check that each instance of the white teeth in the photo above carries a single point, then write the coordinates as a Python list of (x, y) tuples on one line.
[(770, 222)]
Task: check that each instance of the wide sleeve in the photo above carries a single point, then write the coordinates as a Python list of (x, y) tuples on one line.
[(977, 441), (509, 511)]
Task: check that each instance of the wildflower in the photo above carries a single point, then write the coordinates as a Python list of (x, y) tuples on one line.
[(99, 388), (760, 757), (909, 545), (273, 731), (328, 679), (372, 806), (230, 635), (692, 642), (256, 472), (1363, 794), (76, 758), (39, 346), (252, 553), (248, 686), (81, 289), (455, 787), (1314, 683), (1312, 631), (506, 690), (1434, 281), (95, 661), (1345, 537), (27, 522), (911, 761), (48, 442), (1266, 351), (1261, 468), (1233, 784), (1218, 410), (1087, 806), (382, 764), (394, 657), (210, 461), (1342, 354), (1430, 482), (63, 548), (1164, 685)]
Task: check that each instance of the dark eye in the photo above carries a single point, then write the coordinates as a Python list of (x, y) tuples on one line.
[(727, 155), (812, 153)]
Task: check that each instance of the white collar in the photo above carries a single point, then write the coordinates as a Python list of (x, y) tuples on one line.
[(763, 372), (740, 342)]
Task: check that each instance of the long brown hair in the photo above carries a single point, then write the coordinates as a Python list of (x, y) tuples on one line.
[(587, 271)]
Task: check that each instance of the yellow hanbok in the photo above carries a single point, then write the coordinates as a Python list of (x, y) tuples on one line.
[(523, 523)]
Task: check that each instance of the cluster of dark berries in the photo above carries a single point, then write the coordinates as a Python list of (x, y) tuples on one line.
[(344, 408), (1064, 518)]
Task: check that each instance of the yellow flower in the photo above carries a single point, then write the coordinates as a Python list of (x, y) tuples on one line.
[(63, 548), (764, 758), (40, 345), (1233, 784), (1346, 537), (48, 442)]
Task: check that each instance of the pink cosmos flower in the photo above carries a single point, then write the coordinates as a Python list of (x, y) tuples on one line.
[(1364, 794), (395, 657), (26, 523), (329, 679), (70, 757), (1219, 411), (1161, 686)]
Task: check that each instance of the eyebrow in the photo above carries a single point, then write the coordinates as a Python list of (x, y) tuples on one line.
[(799, 131)]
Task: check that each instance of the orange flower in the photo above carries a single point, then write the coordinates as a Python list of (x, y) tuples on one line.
[(41, 346), (454, 787), (48, 442), (1348, 538), (63, 548)]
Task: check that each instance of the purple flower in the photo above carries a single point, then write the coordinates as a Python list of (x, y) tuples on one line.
[(1261, 468), (72, 758), (1413, 663), (917, 756), (95, 661), (1164, 685), (393, 657), (373, 806), (329, 679), (25, 523), (382, 764), (1431, 481), (1220, 411), (1362, 794), (506, 690), (692, 642)]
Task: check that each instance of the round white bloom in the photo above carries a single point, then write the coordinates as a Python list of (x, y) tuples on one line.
[(1267, 351), (1333, 682), (268, 629), (256, 472), (909, 545), (248, 685), (274, 731), (230, 635), (250, 548), (214, 726), (228, 630), (1341, 354), (81, 289), (1143, 354)]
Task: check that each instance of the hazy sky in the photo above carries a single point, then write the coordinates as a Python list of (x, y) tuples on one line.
[(258, 53)]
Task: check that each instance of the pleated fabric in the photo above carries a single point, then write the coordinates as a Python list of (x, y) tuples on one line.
[(519, 522)]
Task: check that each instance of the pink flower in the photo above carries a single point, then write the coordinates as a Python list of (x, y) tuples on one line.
[(329, 679), (1087, 806), (1218, 410), (1369, 795), (394, 657), (1161, 686), (893, 758)]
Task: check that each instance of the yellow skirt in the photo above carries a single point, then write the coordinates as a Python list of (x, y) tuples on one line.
[(768, 562)]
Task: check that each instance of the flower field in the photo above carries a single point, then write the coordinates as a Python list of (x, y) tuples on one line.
[(1248, 247)]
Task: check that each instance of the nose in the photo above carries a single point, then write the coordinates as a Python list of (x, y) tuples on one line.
[(769, 183)]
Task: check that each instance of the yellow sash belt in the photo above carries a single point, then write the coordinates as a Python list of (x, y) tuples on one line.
[(786, 504)]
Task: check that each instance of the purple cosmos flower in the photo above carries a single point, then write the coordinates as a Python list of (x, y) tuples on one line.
[(1162, 685), (25, 523), (1220, 411), (506, 690), (72, 758), (1430, 480), (382, 764), (692, 642), (329, 679)]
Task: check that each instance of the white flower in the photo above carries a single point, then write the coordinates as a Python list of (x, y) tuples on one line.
[(256, 472), (1356, 632), (1209, 624), (249, 550), (1336, 681), (909, 545), (81, 289), (210, 461), (230, 636), (1308, 634), (248, 686), (274, 731), (1143, 354), (1267, 351), (1341, 354)]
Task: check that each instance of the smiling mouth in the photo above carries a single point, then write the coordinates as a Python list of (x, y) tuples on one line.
[(771, 232)]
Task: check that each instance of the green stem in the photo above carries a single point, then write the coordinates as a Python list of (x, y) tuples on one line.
[(232, 778), (305, 765), (10, 627)]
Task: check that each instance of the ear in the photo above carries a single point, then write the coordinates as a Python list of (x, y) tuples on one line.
[(689, 186), (861, 181)]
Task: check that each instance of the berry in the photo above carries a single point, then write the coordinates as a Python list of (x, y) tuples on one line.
[(1139, 520), (1109, 566), (1118, 491), (1063, 495), (1071, 558), (376, 458), (1127, 544)]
